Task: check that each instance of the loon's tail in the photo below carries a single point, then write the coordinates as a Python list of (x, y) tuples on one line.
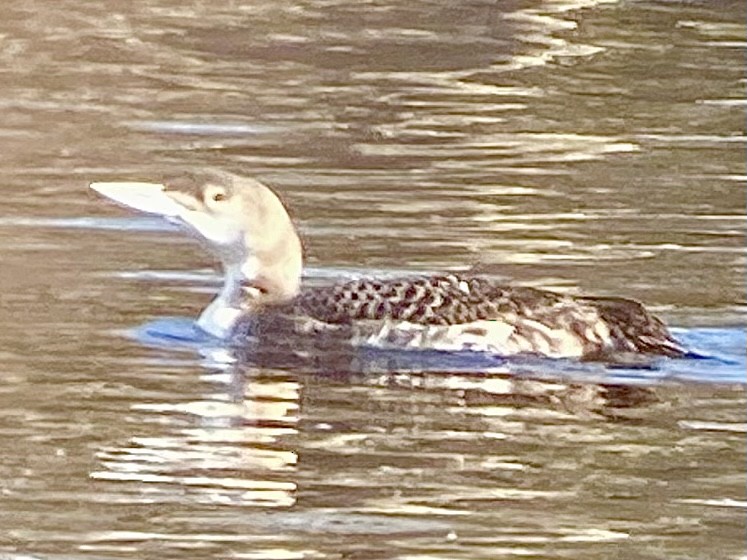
[(634, 329)]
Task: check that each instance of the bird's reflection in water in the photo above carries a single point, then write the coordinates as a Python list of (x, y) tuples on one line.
[(227, 447), (274, 418)]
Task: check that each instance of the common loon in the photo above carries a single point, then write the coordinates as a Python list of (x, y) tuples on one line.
[(244, 223)]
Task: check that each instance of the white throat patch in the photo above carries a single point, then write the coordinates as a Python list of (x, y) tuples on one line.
[(220, 317)]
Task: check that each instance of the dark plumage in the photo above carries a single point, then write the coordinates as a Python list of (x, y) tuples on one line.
[(600, 326)]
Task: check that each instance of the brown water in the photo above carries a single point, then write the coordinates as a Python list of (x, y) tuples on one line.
[(584, 146)]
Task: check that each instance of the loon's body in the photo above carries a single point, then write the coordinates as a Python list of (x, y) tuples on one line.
[(461, 312), (244, 223)]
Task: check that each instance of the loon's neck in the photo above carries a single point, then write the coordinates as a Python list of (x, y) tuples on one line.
[(219, 318), (271, 276)]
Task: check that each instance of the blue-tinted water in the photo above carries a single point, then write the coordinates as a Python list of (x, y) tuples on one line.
[(717, 356)]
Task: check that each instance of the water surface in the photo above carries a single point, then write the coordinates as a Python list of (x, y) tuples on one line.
[(580, 146)]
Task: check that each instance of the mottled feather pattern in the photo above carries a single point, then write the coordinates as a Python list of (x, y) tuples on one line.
[(434, 300), (473, 312), (634, 329)]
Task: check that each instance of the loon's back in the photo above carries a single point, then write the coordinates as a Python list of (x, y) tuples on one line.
[(453, 312)]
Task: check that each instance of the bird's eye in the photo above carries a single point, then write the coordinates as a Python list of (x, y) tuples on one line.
[(218, 196)]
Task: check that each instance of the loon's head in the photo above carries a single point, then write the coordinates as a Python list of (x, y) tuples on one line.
[(240, 220)]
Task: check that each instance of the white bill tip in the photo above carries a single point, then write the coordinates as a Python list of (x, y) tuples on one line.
[(145, 197)]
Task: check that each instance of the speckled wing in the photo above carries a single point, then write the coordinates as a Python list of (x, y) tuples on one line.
[(432, 300), (528, 318)]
